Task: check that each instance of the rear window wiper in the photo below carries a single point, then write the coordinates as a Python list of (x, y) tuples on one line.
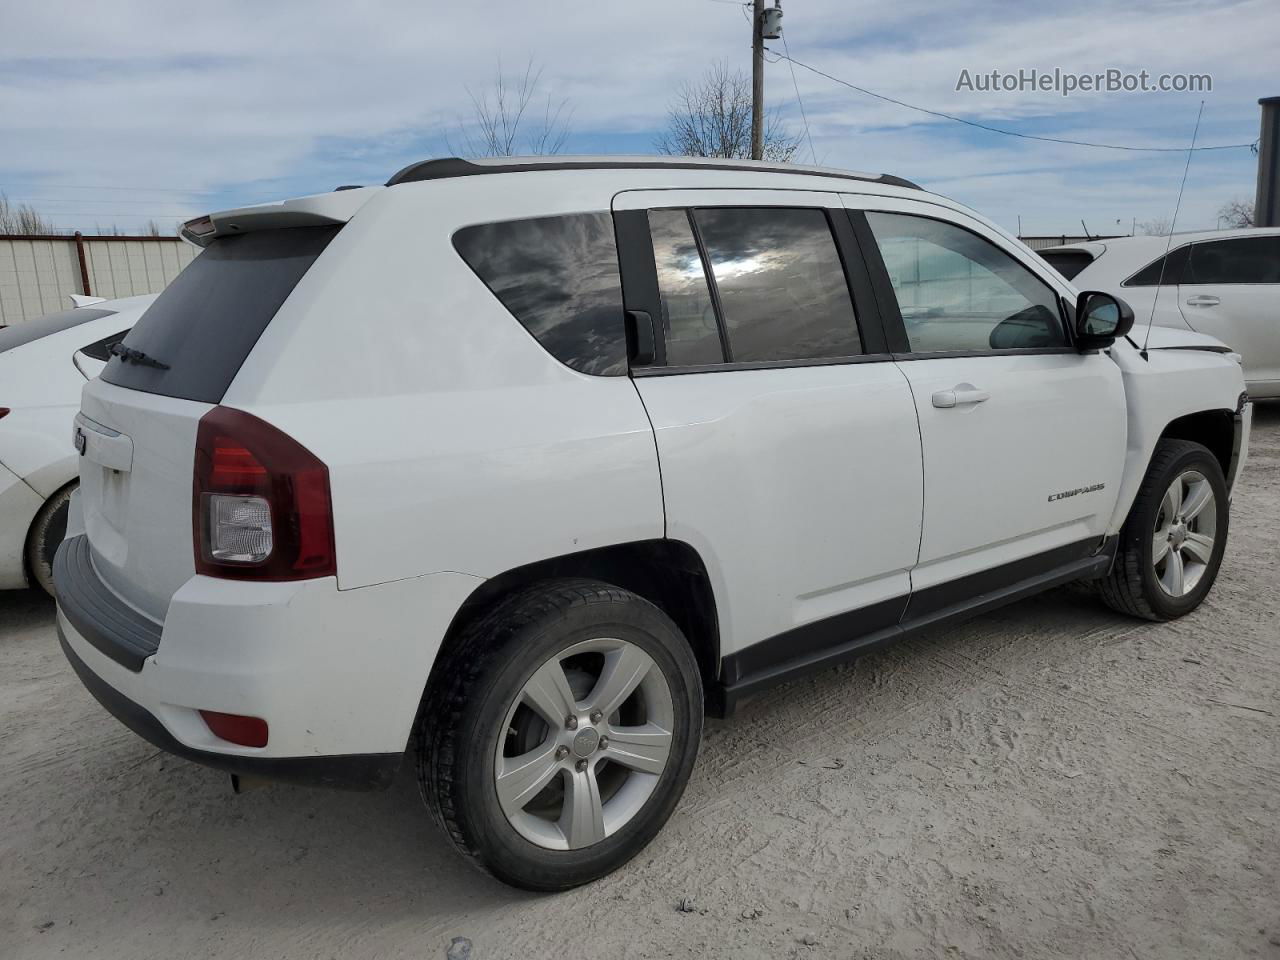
[(130, 355)]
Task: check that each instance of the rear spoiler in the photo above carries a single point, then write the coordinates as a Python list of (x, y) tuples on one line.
[(317, 210)]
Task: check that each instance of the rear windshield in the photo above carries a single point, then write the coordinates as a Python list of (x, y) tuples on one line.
[(205, 323), (1068, 262), (50, 323)]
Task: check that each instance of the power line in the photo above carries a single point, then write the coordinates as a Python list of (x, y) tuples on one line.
[(93, 186), (1007, 133), (26, 199), (813, 153)]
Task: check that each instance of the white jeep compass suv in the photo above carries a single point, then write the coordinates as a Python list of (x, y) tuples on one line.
[(519, 467)]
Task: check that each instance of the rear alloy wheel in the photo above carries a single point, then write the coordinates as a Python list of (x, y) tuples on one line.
[(46, 534), (562, 733), (1171, 545), (587, 740)]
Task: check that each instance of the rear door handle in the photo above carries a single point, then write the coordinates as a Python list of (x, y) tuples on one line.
[(1203, 300), (959, 395)]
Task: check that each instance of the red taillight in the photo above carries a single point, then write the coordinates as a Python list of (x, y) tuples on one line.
[(4, 412), (261, 508), (234, 728)]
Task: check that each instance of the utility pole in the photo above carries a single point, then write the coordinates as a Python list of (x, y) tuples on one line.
[(765, 25), (1266, 207), (757, 81)]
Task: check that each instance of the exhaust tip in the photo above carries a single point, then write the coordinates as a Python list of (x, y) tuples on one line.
[(242, 784)]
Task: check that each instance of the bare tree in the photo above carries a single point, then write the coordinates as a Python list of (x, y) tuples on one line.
[(1155, 227), (712, 118), (504, 120), (1236, 213), (20, 218)]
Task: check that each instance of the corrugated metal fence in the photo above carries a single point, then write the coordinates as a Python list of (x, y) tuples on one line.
[(1044, 243), (37, 274)]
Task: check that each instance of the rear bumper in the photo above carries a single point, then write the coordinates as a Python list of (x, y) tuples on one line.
[(372, 771), (337, 675)]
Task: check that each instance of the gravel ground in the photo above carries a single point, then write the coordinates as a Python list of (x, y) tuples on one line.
[(1052, 780)]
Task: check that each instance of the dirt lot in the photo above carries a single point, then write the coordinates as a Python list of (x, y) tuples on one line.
[(1052, 780)]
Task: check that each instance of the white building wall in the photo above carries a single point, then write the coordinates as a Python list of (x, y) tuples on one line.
[(38, 274)]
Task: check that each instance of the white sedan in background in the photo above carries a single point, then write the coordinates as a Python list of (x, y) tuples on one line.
[(43, 364), (1224, 283)]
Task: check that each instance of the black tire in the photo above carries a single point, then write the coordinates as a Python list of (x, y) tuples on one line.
[(463, 721), (1132, 586), (47, 531)]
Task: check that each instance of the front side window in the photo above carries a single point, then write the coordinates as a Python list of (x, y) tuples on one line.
[(781, 285), (1239, 260), (559, 277), (688, 313), (960, 292)]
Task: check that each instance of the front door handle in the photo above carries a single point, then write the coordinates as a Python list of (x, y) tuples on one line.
[(1203, 300), (959, 395)]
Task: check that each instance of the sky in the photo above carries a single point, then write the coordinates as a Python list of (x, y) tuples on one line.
[(132, 111)]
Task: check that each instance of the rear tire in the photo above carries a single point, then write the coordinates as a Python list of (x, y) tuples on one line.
[(1171, 545), (560, 733), (47, 532)]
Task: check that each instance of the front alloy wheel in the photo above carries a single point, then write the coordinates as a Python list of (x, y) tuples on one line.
[(1171, 545), (1182, 547)]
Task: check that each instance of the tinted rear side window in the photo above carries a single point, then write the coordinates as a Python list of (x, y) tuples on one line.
[(559, 277), (205, 323), (781, 283), (1067, 262), (1167, 271), (50, 323), (1243, 260)]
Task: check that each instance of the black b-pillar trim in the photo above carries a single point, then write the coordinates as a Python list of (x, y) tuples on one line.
[(871, 326), (890, 314), (639, 274)]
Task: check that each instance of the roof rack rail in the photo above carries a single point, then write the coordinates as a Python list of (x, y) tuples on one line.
[(444, 168)]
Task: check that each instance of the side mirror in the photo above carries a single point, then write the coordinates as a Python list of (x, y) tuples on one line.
[(1101, 319)]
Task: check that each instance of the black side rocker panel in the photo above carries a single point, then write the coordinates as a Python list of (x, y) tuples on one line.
[(360, 771), (816, 646)]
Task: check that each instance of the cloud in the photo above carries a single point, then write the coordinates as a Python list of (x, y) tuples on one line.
[(132, 110)]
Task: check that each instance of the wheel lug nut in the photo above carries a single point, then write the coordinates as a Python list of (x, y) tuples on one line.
[(562, 752), (582, 766), (604, 743), (595, 717), (571, 723)]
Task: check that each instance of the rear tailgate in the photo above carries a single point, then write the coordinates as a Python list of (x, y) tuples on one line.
[(135, 490), (138, 421)]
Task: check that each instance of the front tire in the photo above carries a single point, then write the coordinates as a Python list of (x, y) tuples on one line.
[(561, 733), (47, 532), (1171, 545)]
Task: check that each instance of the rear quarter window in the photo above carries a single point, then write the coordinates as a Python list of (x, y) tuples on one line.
[(559, 277), (202, 327), (1069, 263)]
